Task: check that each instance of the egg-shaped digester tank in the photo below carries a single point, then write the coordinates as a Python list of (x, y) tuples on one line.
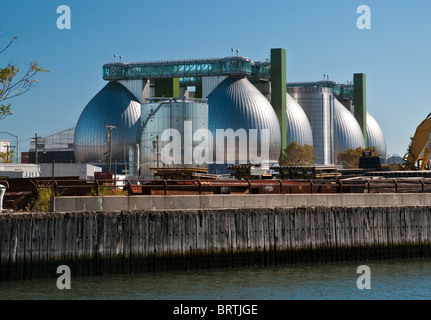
[(238, 108), (375, 136), (113, 106), (347, 132), (298, 126)]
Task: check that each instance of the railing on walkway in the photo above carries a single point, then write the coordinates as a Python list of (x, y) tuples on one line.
[(200, 187)]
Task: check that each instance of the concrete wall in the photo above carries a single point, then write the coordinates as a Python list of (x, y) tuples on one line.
[(33, 245), (252, 201)]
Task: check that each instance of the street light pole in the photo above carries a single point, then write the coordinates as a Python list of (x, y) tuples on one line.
[(17, 145), (110, 127)]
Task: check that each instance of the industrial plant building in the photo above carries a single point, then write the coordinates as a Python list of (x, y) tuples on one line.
[(131, 124)]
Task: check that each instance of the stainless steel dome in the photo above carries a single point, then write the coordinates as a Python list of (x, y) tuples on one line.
[(298, 126), (237, 104), (375, 137), (347, 132), (113, 105)]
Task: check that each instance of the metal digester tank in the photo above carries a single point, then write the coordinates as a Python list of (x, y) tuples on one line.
[(114, 106), (318, 105), (347, 132), (298, 126)]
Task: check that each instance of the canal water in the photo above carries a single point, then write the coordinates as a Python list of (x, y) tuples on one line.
[(390, 280)]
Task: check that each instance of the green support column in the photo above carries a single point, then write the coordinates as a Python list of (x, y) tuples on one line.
[(169, 87), (198, 92), (278, 91), (360, 102)]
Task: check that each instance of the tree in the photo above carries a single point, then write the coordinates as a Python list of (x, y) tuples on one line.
[(14, 84), (7, 157), (297, 155), (350, 158)]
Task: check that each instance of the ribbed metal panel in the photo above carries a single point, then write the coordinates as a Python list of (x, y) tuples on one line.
[(134, 86), (210, 83), (375, 136), (183, 116), (113, 105), (236, 104), (318, 105), (298, 126), (347, 132)]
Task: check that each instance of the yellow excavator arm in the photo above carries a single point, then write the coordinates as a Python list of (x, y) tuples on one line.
[(418, 146), (426, 158)]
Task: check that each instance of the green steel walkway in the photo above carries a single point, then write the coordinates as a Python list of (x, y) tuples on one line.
[(189, 71), (338, 89)]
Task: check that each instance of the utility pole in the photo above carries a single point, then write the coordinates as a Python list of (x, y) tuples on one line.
[(35, 146), (110, 127), (37, 140)]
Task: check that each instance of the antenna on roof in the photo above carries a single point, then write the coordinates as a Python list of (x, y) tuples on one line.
[(115, 57), (121, 57), (232, 51), (237, 52)]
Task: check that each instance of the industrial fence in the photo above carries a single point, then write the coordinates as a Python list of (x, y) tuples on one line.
[(200, 187)]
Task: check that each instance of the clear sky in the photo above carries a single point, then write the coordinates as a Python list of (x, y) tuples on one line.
[(320, 37)]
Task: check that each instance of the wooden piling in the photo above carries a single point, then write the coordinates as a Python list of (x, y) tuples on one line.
[(33, 245)]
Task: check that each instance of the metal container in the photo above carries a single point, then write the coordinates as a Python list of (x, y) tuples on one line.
[(347, 132), (116, 106), (298, 126), (318, 105), (238, 105), (164, 124)]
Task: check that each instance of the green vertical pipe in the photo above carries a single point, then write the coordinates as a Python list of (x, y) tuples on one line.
[(278, 91), (169, 87), (360, 102)]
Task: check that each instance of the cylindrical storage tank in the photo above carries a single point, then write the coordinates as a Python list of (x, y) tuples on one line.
[(298, 126), (375, 137), (318, 105), (241, 113), (169, 134), (116, 106), (347, 132)]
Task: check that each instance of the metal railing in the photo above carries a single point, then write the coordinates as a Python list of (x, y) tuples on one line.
[(200, 186)]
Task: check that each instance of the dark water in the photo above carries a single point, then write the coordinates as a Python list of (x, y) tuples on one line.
[(394, 280)]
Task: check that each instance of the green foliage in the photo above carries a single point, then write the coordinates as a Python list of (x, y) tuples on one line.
[(349, 159), (42, 203), (109, 191), (13, 83), (7, 157), (297, 155)]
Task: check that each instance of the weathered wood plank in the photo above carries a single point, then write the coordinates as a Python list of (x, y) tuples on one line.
[(91, 243)]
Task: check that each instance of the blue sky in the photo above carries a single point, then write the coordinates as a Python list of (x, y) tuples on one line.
[(320, 37)]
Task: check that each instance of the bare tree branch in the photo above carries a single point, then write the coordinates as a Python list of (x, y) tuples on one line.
[(12, 86), (8, 45)]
